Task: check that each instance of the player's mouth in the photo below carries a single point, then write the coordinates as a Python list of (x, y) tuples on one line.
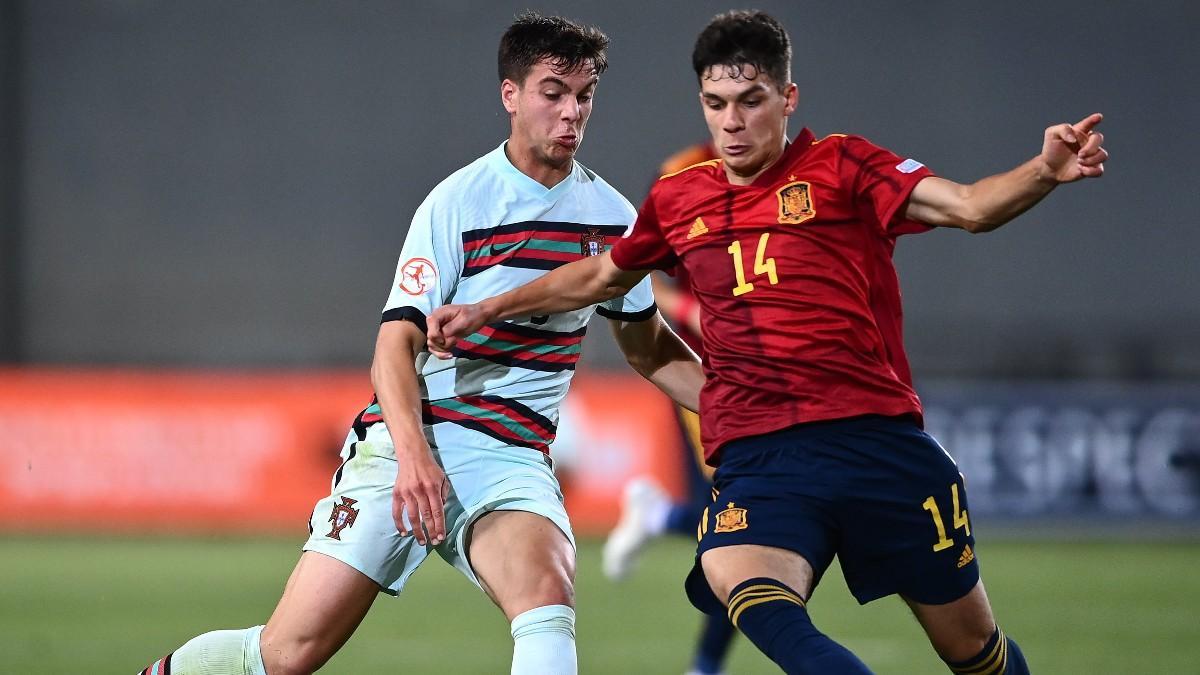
[(569, 142), (736, 150)]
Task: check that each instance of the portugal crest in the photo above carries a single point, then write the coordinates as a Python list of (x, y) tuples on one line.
[(731, 519), (592, 242), (795, 203), (343, 516)]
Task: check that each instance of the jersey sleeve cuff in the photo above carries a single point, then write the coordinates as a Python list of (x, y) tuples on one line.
[(410, 314), (628, 317)]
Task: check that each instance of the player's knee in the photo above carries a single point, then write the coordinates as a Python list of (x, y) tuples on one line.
[(554, 586)]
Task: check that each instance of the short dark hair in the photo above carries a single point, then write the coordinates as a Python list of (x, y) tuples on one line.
[(566, 45), (741, 38)]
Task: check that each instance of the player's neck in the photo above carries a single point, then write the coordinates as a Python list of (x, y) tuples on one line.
[(527, 162), (737, 178)]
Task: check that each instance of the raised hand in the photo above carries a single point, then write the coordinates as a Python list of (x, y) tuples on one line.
[(1074, 151)]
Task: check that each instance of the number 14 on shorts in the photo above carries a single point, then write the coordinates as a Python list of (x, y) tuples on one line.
[(960, 518)]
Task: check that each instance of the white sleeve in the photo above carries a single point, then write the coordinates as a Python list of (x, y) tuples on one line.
[(636, 305), (430, 263)]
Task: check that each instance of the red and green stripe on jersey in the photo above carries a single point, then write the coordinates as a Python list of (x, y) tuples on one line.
[(520, 346), (537, 245), (501, 418)]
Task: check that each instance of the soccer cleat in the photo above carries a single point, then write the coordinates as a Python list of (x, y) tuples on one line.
[(644, 508)]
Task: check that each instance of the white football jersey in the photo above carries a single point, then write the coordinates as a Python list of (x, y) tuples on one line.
[(486, 229)]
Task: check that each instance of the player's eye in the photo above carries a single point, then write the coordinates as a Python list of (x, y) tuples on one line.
[(552, 95), (585, 98), (752, 103)]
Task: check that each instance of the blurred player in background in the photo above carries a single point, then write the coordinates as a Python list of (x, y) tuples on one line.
[(452, 455), (808, 411), (647, 511)]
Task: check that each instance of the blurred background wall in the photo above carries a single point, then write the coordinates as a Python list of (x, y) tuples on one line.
[(229, 184), (225, 186)]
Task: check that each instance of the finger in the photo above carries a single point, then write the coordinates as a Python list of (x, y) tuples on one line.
[(1086, 124), (1065, 134), (419, 515), (1092, 171), (1092, 144), (437, 522), (1092, 159), (398, 514), (443, 349), (433, 325)]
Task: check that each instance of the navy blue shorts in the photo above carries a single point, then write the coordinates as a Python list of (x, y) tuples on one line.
[(877, 492)]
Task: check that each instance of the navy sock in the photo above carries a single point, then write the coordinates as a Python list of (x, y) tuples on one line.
[(715, 638), (775, 619), (1000, 656)]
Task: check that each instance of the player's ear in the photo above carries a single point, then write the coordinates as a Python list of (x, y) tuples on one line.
[(508, 95), (792, 95)]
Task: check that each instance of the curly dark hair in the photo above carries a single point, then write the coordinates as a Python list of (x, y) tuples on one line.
[(566, 45), (742, 38)]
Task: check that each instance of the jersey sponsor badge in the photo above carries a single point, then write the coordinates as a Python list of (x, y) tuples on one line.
[(343, 516), (417, 276), (795, 203), (731, 519), (592, 242), (909, 166)]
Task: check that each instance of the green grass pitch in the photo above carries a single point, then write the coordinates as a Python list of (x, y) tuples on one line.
[(111, 605)]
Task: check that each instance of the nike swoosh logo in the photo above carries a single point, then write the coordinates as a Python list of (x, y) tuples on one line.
[(501, 249)]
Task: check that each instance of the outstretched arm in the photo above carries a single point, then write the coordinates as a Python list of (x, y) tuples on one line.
[(657, 354), (1069, 152), (572, 286)]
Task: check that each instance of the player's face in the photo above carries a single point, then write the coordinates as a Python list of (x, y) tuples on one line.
[(549, 112), (747, 116)]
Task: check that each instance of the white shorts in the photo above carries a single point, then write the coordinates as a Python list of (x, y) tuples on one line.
[(354, 524)]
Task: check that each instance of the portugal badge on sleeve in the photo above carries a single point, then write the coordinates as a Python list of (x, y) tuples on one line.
[(417, 276), (795, 203), (592, 242)]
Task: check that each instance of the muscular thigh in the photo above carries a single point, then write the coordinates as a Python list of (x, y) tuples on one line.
[(522, 560)]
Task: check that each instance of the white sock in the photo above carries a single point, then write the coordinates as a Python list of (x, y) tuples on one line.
[(221, 652), (544, 641)]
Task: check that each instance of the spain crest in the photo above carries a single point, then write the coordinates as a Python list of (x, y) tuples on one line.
[(731, 519), (343, 516), (795, 203), (592, 242)]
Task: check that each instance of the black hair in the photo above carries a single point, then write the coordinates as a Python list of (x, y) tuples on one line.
[(741, 38), (564, 44)]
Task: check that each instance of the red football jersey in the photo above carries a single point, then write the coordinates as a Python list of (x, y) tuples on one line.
[(799, 297)]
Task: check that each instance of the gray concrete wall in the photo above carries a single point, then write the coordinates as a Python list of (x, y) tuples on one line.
[(227, 183)]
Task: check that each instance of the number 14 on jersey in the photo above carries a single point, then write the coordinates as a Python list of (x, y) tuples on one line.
[(762, 265)]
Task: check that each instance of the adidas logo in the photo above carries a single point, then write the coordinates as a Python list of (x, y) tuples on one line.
[(698, 228), (967, 556)]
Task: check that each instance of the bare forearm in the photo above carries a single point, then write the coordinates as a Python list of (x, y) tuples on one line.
[(659, 355), (394, 376), (681, 379), (995, 200), (567, 288)]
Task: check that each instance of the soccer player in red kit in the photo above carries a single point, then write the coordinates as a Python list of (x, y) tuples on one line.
[(808, 410)]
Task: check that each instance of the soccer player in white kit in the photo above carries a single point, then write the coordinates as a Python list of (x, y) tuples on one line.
[(452, 455)]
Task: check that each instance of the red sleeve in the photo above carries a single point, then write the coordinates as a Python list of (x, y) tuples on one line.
[(643, 247), (880, 182)]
